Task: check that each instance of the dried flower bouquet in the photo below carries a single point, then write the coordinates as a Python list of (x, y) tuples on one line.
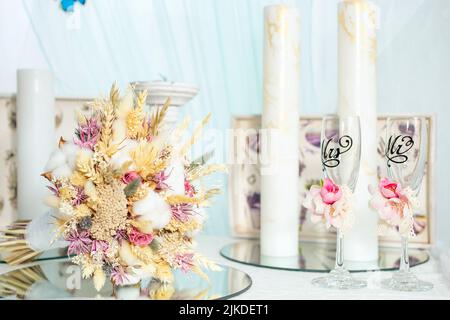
[(113, 197)]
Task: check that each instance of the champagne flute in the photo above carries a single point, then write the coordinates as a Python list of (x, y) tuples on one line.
[(341, 155), (406, 154)]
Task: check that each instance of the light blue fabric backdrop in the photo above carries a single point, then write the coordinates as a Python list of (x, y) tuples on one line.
[(217, 44)]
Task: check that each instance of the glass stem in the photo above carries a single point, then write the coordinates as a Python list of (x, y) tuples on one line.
[(339, 250), (404, 263)]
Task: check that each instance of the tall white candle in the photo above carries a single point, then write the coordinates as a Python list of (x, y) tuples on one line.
[(279, 136), (35, 138), (357, 50)]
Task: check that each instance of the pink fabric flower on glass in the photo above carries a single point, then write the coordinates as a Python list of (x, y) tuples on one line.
[(140, 239), (130, 176), (331, 204), (388, 201), (330, 192), (389, 189)]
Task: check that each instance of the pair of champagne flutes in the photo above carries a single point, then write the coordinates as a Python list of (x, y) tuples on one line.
[(405, 156)]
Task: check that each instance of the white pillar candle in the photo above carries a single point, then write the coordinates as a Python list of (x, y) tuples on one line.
[(35, 138), (357, 51), (280, 132)]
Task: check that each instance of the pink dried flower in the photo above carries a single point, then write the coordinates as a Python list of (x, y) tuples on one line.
[(160, 180), (80, 197), (182, 211), (140, 239), (189, 188), (130, 176), (87, 134), (184, 261), (80, 242)]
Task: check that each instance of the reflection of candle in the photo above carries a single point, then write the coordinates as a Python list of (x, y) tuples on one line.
[(279, 142), (357, 96)]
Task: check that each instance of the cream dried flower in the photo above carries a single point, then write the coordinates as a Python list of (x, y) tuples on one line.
[(111, 214)]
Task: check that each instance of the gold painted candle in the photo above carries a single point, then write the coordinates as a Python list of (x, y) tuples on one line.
[(357, 51), (279, 135)]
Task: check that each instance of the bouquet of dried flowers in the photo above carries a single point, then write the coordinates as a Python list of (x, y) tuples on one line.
[(114, 198)]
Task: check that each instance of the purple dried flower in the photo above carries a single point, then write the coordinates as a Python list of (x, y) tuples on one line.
[(121, 235), (80, 196), (87, 134), (99, 246), (80, 242), (118, 275), (182, 211), (184, 261), (55, 188)]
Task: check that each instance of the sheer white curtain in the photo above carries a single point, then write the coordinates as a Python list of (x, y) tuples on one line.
[(218, 45)]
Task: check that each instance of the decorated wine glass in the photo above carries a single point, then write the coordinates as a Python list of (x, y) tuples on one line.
[(331, 202), (397, 202)]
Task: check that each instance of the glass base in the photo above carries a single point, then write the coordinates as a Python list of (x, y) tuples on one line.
[(339, 279), (405, 281)]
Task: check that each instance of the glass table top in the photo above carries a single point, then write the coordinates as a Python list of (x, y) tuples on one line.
[(317, 257), (61, 279)]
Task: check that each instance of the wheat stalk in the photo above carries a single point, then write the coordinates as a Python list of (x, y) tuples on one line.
[(108, 116), (195, 136), (114, 95), (158, 117), (199, 172)]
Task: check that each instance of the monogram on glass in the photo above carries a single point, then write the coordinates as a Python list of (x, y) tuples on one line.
[(406, 154), (340, 155)]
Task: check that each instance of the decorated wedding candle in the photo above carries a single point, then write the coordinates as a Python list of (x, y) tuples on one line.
[(279, 134), (357, 51), (35, 138)]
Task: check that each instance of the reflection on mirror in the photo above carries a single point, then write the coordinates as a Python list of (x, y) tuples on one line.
[(61, 279), (316, 257)]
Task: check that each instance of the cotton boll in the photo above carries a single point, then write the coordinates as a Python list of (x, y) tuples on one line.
[(57, 158), (71, 151), (63, 171), (154, 209)]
